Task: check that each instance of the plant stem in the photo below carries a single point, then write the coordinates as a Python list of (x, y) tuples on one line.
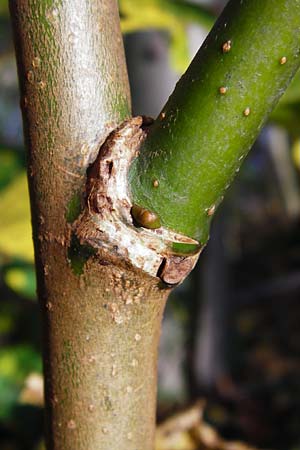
[(210, 121), (101, 319)]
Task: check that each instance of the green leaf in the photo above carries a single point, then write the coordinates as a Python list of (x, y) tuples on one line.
[(4, 8), (10, 165), (22, 280), (16, 362)]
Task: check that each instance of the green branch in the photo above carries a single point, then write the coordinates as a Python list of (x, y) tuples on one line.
[(209, 123)]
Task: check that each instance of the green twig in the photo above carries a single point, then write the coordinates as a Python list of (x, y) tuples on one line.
[(215, 113)]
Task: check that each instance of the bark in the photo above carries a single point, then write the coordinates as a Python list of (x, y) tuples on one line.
[(101, 317), (216, 111)]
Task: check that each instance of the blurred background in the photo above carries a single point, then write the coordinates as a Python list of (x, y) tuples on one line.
[(230, 349)]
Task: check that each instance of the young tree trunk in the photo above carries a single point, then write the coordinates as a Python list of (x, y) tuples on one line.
[(101, 327)]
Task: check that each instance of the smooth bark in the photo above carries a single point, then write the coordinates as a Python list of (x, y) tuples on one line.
[(101, 320), (216, 111)]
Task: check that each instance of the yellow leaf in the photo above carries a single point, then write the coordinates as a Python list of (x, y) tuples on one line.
[(17, 278), (296, 153), (15, 225)]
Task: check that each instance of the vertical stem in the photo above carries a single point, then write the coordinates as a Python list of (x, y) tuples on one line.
[(101, 324), (101, 362)]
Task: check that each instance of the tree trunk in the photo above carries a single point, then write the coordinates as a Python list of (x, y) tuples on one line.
[(101, 326)]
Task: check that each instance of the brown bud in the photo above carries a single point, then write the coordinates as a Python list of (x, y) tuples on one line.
[(145, 218)]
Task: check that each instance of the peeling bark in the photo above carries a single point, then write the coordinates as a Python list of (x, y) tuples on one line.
[(107, 222)]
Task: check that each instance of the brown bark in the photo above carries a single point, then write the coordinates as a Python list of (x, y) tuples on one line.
[(101, 360), (101, 322)]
